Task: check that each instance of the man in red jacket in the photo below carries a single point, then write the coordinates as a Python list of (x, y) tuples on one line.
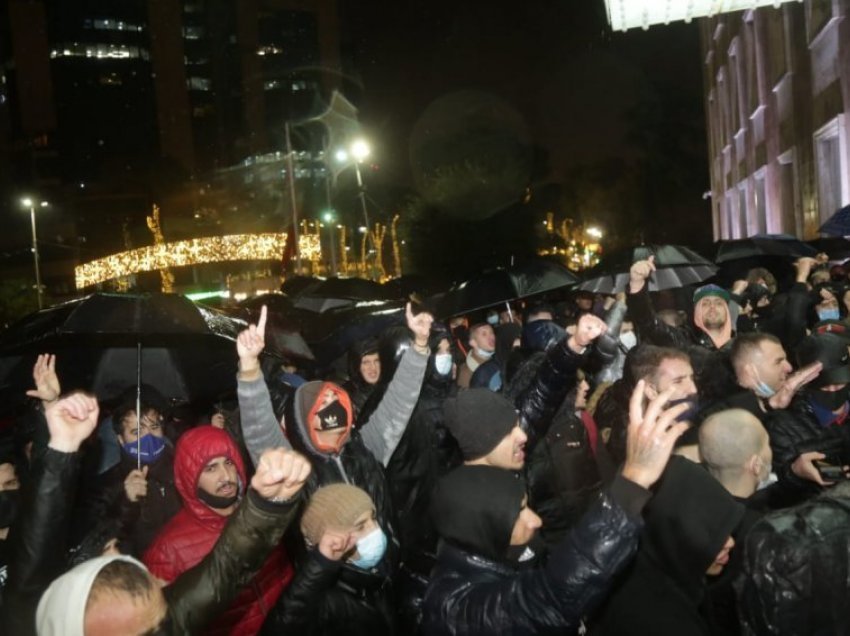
[(210, 477)]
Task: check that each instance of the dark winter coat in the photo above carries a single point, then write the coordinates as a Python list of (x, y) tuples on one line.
[(328, 598), (470, 594), (141, 521), (688, 521), (562, 474), (796, 430)]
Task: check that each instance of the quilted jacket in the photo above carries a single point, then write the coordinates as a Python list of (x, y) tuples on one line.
[(192, 533)]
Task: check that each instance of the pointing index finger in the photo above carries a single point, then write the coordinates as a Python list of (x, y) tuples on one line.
[(261, 323)]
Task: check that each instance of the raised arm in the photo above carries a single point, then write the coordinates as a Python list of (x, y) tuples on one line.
[(37, 540), (260, 428), (198, 595), (384, 429)]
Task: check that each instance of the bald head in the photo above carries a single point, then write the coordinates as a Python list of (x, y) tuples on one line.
[(736, 450)]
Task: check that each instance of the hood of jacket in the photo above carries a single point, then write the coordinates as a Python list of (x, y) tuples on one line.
[(303, 404), (688, 521), (62, 608), (475, 508), (195, 449)]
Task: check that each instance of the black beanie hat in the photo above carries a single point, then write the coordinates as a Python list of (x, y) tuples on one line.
[(478, 419)]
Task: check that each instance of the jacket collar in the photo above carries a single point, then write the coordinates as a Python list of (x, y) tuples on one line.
[(455, 558)]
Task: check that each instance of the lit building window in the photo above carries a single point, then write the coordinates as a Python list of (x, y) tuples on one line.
[(193, 32), (100, 51), (269, 49), (107, 24), (271, 85), (199, 84)]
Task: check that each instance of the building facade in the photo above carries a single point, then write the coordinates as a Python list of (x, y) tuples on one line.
[(777, 91)]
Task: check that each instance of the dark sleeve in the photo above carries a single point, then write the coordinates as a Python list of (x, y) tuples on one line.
[(298, 607), (796, 310), (650, 329), (38, 539), (539, 402), (198, 595)]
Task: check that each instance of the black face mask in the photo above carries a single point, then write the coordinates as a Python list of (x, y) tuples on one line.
[(216, 502), (832, 400), (333, 416), (528, 555), (10, 501)]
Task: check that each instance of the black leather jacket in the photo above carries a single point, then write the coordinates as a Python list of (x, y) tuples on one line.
[(472, 595), (328, 598), (796, 430)]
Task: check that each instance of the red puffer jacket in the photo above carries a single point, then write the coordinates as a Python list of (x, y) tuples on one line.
[(192, 533)]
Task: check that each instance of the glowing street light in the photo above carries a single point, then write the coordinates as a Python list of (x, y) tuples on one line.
[(29, 203), (595, 232), (358, 151)]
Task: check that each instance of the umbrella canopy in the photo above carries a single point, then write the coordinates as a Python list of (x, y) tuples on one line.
[(675, 266), (838, 224), (762, 245), (504, 285), (335, 293), (187, 350), (836, 247)]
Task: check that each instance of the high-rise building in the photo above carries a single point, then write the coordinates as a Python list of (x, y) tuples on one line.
[(777, 87), (109, 107)]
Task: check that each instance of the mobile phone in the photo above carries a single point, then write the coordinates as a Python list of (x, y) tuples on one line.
[(830, 472)]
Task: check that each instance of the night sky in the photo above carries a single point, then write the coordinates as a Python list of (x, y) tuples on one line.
[(590, 99)]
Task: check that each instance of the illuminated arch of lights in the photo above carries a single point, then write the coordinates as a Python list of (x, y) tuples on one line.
[(213, 249)]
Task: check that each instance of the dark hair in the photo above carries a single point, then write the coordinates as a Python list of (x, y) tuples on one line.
[(122, 576), (745, 344), (647, 358), (536, 309)]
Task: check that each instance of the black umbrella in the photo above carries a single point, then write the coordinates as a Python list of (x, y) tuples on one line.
[(335, 293), (504, 285), (762, 245), (836, 247), (838, 224), (675, 266), (107, 342)]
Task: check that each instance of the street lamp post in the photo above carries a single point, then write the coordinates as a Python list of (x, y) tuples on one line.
[(329, 218), (358, 151), (30, 203)]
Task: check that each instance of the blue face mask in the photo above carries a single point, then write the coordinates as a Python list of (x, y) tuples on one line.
[(371, 549), (828, 314), (443, 363), (486, 355), (764, 391), (493, 319), (151, 448)]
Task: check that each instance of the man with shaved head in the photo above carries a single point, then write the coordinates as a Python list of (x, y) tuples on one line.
[(735, 448)]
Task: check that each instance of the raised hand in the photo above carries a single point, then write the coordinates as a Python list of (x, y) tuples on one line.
[(651, 435), (804, 266), (639, 272), (70, 421), (335, 545), (250, 343), (794, 383), (47, 388), (420, 325), (281, 474), (136, 484), (588, 329)]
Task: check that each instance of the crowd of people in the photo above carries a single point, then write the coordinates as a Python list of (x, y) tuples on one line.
[(603, 464)]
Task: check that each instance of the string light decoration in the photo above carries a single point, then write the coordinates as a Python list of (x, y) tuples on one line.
[(213, 249)]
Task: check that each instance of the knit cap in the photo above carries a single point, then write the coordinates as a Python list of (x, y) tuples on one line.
[(335, 506), (478, 419)]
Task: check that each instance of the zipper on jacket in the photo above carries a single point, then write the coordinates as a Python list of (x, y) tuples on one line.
[(339, 465)]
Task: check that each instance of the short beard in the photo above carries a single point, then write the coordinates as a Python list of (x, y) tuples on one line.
[(715, 324)]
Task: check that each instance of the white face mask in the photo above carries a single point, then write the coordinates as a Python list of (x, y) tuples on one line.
[(443, 363), (486, 355), (629, 339)]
